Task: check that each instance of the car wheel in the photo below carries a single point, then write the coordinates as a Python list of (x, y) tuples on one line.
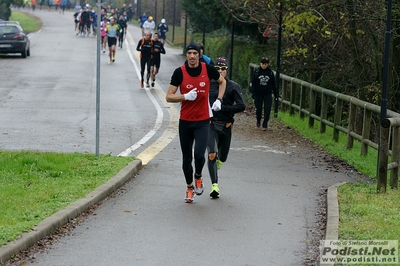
[(23, 54), (29, 52)]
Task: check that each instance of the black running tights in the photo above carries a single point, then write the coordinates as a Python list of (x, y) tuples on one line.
[(143, 62), (197, 133)]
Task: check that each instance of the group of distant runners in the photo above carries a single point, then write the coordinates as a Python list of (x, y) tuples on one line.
[(113, 28)]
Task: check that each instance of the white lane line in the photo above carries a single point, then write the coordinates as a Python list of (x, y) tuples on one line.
[(260, 148), (33, 34), (160, 113)]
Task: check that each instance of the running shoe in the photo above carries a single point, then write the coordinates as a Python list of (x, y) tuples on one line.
[(147, 85), (198, 186), (141, 84), (152, 83), (189, 198), (109, 62), (214, 191), (113, 59), (219, 164), (264, 129), (258, 124), (104, 51)]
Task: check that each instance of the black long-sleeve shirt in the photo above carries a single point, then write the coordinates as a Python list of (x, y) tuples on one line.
[(145, 48), (232, 102), (158, 45), (263, 82)]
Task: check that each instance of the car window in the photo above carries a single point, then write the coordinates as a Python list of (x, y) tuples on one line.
[(9, 30)]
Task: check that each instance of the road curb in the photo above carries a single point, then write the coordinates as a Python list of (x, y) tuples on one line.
[(47, 226), (332, 216)]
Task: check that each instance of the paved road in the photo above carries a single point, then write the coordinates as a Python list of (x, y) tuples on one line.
[(268, 198)]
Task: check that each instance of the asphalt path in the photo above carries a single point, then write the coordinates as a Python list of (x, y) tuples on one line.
[(268, 198)]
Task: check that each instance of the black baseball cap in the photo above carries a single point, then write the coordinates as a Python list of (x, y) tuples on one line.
[(264, 60)]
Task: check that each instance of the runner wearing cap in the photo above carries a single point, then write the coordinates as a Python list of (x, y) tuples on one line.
[(162, 31), (149, 25), (193, 80), (219, 141)]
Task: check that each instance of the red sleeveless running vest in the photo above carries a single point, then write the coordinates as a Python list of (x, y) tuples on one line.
[(199, 109)]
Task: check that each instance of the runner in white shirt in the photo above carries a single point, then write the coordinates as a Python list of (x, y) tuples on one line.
[(149, 25)]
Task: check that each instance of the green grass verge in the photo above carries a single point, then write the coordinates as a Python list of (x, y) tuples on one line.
[(367, 215), (35, 185), (364, 214), (28, 22)]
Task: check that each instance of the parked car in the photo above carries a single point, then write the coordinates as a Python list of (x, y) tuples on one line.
[(13, 39)]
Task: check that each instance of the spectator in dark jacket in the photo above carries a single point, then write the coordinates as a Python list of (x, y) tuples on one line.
[(262, 86)]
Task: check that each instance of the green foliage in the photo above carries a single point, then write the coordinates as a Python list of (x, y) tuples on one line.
[(210, 15), (5, 10), (336, 44), (204, 14), (218, 44)]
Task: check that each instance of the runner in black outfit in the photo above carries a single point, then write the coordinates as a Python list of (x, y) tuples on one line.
[(219, 141), (85, 17), (122, 21), (145, 47), (156, 60)]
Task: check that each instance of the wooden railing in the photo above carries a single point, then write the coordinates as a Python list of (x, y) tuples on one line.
[(389, 125), (301, 96)]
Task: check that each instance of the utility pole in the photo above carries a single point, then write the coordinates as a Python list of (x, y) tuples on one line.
[(231, 56), (381, 184), (173, 25), (278, 59)]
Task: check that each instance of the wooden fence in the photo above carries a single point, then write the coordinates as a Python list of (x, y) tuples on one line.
[(315, 103)]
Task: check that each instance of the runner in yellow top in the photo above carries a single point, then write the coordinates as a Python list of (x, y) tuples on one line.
[(112, 30)]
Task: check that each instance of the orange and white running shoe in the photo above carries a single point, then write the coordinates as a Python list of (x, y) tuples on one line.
[(189, 198), (198, 185)]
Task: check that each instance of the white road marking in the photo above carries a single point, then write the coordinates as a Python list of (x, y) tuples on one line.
[(171, 130), (260, 148)]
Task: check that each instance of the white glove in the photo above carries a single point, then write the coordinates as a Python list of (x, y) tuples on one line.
[(191, 95), (216, 105)]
